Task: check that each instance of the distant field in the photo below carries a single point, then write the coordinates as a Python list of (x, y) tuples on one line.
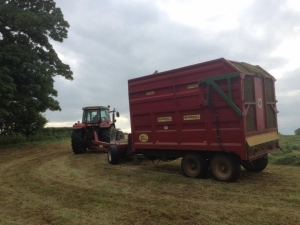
[(46, 134), (46, 183)]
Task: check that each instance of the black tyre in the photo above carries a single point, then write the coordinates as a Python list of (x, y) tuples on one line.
[(113, 155), (77, 143), (194, 165), (120, 135), (257, 165), (225, 168), (109, 134)]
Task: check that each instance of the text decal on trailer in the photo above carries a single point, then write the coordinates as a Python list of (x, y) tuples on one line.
[(192, 86), (150, 93), (164, 119), (191, 117)]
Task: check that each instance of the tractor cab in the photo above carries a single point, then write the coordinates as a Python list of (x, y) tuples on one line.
[(98, 114)]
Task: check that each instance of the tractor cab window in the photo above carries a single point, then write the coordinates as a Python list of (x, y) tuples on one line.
[(91, 116), (95, 116), (105, 115)]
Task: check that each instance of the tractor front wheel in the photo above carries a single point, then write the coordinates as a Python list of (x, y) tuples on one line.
[(77, 144)]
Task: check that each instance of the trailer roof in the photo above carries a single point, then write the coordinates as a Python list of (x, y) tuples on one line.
[(244, 67), (241, 67)]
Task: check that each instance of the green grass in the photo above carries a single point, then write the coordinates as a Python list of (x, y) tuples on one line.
[(46, 134), (290, 153), (48, 184)]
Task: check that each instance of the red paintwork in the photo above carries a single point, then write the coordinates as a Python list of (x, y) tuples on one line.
[(82, 125), (100, 145), (259, 93), (171, 94)]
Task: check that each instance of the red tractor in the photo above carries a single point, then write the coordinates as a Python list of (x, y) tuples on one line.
[(96, 128)]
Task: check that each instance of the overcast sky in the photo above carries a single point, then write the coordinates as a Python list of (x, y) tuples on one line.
[(111, 41)]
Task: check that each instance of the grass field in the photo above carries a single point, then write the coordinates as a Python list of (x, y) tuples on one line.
[(290, 154), (46, 183)]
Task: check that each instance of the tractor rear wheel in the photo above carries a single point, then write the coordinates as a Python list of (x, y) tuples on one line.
[(257, 165), (120, 135), (77, 144), (225, 168), (109, 135), (194, 165), (113, 156)]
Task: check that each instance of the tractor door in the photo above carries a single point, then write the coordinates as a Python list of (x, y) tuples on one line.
[(105, 115)]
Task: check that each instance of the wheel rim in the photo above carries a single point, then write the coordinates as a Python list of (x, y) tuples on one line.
[(109, 155), (222, 169), (192, 166)]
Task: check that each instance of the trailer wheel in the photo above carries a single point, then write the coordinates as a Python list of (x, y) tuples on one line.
[(77, 144), (257, 165), (113, 156), (194, 166), (225, 168)]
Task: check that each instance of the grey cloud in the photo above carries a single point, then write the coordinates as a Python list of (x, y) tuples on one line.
[(288, 104), (289, 82), (288, 116), (114, 41)]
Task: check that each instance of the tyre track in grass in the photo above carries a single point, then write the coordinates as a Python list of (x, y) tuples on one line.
[(48, 184)]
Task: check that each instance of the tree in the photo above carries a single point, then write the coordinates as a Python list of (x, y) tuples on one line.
[(28, 62), (297, 132)]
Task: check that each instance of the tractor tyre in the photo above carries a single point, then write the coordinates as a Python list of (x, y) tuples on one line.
[(194, 166), (113, 156), (109, 134), (120, 135), (225, 168), (77, 142), (257, 165)]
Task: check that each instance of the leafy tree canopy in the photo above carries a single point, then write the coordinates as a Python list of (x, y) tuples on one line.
[(297, 132), (28, 62)]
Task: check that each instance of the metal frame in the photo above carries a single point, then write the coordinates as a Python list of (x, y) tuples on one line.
[(210, 82)]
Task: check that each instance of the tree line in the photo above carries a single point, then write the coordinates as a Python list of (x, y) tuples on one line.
[(28, 63)]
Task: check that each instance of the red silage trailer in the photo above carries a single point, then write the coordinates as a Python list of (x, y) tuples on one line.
[(216, 115)]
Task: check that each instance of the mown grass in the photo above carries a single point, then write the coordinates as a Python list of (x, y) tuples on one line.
[(48, 184), (290, 153)]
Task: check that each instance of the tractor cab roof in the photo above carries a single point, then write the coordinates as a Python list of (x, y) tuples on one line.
[(95, 107)]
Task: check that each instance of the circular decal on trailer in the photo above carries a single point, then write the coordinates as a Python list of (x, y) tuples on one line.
[(259, 103), (143, 137)]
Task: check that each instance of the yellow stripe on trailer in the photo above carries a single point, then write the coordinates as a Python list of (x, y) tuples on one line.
[(262, 138)]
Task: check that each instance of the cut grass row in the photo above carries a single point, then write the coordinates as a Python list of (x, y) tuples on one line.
[(289, 155), (48, 184)]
